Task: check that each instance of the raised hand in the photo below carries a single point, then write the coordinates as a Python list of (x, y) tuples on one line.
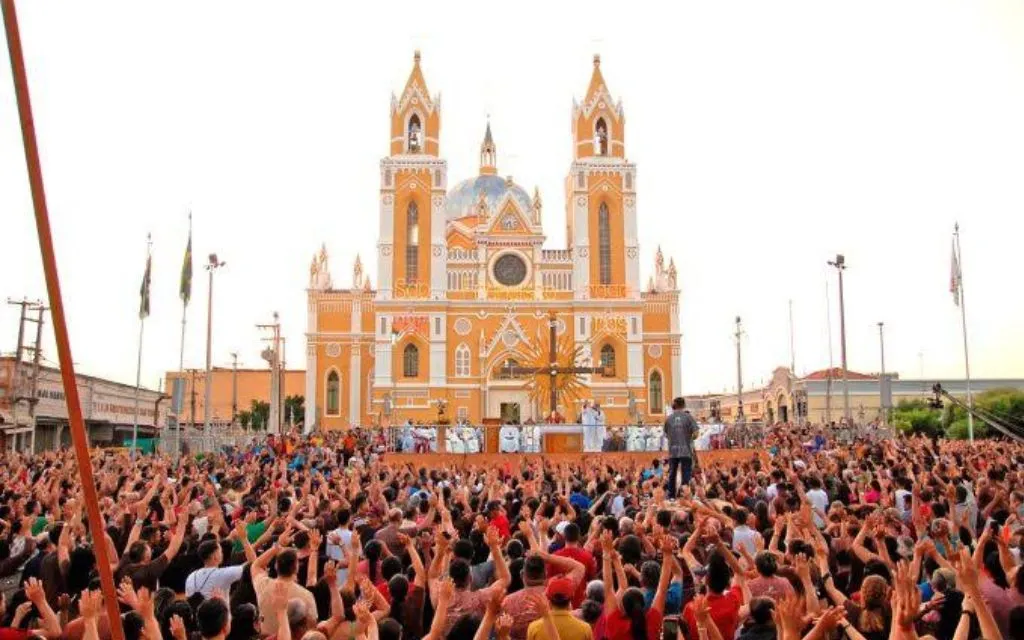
[(492, 537), (144, 603), (503, 626), (126, 593), (788, 616), (34, 592), (445, 590), (178, 628), (91, 604)]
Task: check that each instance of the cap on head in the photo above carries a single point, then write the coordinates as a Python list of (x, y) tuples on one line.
[(560, 590)]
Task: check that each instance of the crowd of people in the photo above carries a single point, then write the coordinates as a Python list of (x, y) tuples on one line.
[(321, 538)]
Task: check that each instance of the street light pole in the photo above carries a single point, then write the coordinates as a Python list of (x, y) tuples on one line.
[(882, 376), (211, 266), (739, 372), (840, 264)]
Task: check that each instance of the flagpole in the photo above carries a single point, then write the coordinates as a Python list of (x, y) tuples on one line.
[(143, 312), (181, 350), (963, 325)]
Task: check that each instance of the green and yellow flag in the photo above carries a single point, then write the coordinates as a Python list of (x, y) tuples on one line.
[(144, 290), (185, 290)]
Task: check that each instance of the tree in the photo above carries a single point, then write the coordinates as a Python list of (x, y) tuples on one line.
[(916, 416), (244, 418), (295, 409), (260, 414), (1005, 404)]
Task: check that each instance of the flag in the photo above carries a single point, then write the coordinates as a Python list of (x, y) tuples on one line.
[(185, 288), (144, 290), (954, 276)]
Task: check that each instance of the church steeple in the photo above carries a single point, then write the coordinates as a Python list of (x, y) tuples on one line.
[(488, 154), (415, 116), (598, 125)]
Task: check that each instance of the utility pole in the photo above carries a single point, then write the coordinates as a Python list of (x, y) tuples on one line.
[(192, 399), (881, 376), (234, 388), (840, 264), (16, 379), (272, 355), (739, 372), (36, 356), (211, 266), (17, 394)]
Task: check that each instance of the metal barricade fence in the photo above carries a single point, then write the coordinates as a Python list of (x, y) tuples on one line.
[(196, 442)]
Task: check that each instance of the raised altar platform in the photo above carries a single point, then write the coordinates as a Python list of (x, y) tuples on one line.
[(462, 460)]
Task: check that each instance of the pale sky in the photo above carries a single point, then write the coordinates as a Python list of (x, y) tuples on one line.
[(768, 136)]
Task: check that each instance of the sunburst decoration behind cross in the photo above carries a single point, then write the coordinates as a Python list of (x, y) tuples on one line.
[(551, 368)]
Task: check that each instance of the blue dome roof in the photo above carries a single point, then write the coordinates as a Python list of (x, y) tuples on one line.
[(463, 197)]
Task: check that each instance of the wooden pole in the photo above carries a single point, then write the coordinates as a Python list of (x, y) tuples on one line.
[(60, 328)]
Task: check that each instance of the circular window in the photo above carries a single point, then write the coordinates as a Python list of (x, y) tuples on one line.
[(510, 270)]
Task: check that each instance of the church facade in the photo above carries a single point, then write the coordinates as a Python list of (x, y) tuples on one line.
[(466, 288)]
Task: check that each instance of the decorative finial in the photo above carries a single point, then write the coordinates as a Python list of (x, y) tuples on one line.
[(597, 59), (508, 181), (416, 56)]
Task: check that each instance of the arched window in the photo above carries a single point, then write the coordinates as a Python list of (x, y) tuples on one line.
[(654, 396), (462, 361), (333, 393), (412, 243), (501, 370), (410, 361), (415, 135), (604, 244), (608, 360), (600, 137)]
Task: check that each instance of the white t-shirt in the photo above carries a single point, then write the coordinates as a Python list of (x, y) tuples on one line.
[(207, 579), (901, 499), (336, 552), (745, 537), (819, 500)]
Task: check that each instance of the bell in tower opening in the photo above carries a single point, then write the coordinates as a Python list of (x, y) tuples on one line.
[(600, 138), (415, 135)]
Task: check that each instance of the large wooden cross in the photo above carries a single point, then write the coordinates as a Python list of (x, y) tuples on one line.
[(553, 370)]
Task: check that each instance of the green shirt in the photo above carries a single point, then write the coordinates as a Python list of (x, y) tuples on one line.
[(39, 525), (253, 532)]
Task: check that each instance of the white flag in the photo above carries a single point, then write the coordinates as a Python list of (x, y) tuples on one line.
[(954, 277)]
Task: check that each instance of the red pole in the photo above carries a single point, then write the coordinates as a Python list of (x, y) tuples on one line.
[(60, 328)]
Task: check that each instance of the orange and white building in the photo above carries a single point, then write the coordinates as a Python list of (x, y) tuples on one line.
[(465, 284)]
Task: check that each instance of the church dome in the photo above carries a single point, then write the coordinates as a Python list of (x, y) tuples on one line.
[(464, 197)]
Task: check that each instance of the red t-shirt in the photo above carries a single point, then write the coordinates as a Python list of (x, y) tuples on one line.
[(500, 522), (585, 558), (618, 626), (725, 613)]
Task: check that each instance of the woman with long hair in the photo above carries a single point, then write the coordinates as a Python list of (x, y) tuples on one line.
[(873, 616), (407, 598), (626, 616)]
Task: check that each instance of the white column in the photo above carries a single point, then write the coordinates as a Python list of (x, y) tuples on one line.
[(386, 241), (631, 240), (382, 353), (355, 378), (438, 349), (311, 372), (635, 352), (311, 387), (581, 245), (438, 247)]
